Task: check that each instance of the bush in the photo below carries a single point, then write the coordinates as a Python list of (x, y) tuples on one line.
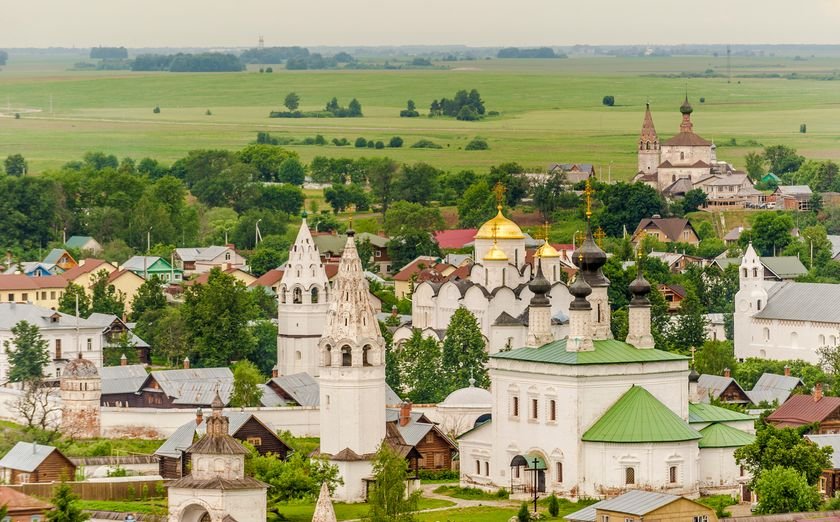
[(803, 128), (395, 142), (426, 144), (342, 142), (468, 113), (477, 144), (702, 99), (269, 70), (609, 101), (493, 113), (371, 144), (380, 145), (523, 515), (437, 474), (156, 110), (553, 505), (360, 143), (320, 140)]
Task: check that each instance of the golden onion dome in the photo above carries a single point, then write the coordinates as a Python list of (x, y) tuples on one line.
[(495, 254), (499, 227), (546, 250)]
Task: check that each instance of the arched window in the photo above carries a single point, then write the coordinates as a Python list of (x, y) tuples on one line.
[(314, 295), (629, 475), (478, 467), (758, 305), (745, 272), (283, 294), (794, 340), (297, 296), (647, 146), (672, 474), (346, 356), (297, 355), (559, 472), (682, 155), (766, 334), (832, 340), (366, 356), (822, 340), (755, 272), (328, 355)]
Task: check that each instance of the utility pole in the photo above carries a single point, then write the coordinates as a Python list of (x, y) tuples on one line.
[(728, 65), (257, 235)]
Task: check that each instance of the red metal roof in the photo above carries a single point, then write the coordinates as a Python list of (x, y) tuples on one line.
[(803, 409), (25, 282), (456, 238), (89, 266)]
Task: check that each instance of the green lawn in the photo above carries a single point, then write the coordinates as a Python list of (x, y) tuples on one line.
[(455, 491), (150, 507), (551, 110), (302, 511), (472, 514)]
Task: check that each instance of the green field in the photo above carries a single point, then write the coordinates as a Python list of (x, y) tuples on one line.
[(550, 109)]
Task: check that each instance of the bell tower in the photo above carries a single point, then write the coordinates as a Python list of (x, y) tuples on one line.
[(302, 307), (352, 378), (648, 145), (750, 299)]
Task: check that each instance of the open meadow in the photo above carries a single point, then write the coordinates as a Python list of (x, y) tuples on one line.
[(550, 110)]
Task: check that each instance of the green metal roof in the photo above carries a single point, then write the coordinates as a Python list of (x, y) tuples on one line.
[(707, 413), (639, 417), (77, 241), (723, 436), (609, 351)]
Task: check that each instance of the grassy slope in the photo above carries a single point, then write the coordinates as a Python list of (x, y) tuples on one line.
[(551, 110)]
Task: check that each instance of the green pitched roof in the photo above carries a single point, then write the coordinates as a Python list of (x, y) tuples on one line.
[(723, 436), (77, 241), (639, 417), (708, 413), (609, 351)]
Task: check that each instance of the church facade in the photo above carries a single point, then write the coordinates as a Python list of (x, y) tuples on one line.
[(783, 319), (566, 411)]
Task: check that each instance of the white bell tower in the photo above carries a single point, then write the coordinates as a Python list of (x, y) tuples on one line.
[(352, 378), (750, 299), (302, 307)]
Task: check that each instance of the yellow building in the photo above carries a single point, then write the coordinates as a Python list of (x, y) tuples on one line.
[(44, 291), (638, 505), (124, 281)]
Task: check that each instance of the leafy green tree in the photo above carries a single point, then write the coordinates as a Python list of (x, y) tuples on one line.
[(510, 176), (66, 506), (754, 163), (354, 108), (748, 372), (693, 200), (272, 252), (813, 244), (292, 171), (464, 354), (417, 183), (523, 515), (395, 142), (270, 224), (388, 500), (405, 248), (341, 196), (547, 194), (690, 328), (770, 233), (784, 490), (785, 447), (67, 301), (27, 352), (714, 357), (15, 165), (246, 385), (420, 363), (383, 175), (105, 298), (149, 296), (403, 215), (265, 333), (267, 159), (216, 316), (165, 331), (298, 477), (477, 205), (392, 370), (624, 205), (782, 159), (292, 101), (119, 346)]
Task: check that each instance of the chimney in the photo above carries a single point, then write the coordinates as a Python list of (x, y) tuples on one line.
[(727, 373), (123, 360), (199, 416), (186, 363), (817, 392), (787, 371), (275, 372), (405, 413)]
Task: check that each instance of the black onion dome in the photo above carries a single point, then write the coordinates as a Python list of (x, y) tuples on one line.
[(540, 286), (640, 288), (686, 108), (590, 258), (580, 290), (693, 376)]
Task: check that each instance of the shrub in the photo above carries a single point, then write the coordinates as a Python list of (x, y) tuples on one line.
[(437, 474), (360, 143), (371, 144), (17, 115), (269, 70), (395, 142), (553, 505), (493, 113), (609, 101), (320, 140), (308, 141), (523, 515), (803, 128), (340, 142), (477, 144), (702, 99), (380, 144), (426, 144), (156, 110), (262, 70), (468, 113), (208, 113)]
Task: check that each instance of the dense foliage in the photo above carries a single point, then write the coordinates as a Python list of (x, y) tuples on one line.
[(26, 352), (184, 62), (539, 52)]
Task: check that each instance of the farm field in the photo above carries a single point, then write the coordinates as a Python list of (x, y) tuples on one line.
[(550, 110)]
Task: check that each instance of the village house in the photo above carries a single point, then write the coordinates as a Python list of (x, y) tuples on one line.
[(66, 336), (673, 294), (423, 268), (42, 291), (802, 410), (575, 172), (84, 244), (240, 275), (666, 230), (200, 260), (30, 462), (434, 447), (330, 246), (60, 258), (244, 427), (792, 197), (636, 506), (721, 388), (775, 389), (775, 268), (829, 483), (127, 387), (22, 508), (123, 281), (115, 330), (121, 385), (455, 239), (147, 266), (32, 269)]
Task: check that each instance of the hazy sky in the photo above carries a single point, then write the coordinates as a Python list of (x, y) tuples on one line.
[(153, 23)]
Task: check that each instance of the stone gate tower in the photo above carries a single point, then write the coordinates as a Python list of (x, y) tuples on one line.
[(352, 378), (81, 390), (302, 307)]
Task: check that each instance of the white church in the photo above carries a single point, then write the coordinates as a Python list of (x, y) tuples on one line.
[(586, 414), (497, 291), (783, 319)]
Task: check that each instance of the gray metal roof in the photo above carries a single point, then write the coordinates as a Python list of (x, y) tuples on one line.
[(633, 502), (186, 434), (773, 387), (713, 386), (106, 320), (271, 399), (195, 385), (122, 379), (803, 302), (137, 263), (26, 456), (304, 390), (785, 267), (794, 190), (43, 318), (414, 431), (828, 440)]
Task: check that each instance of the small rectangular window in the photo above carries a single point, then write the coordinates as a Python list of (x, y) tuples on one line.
[(11, 298), (629, 476), (486, 468), (672, 474), (478, 467), (52, 294), (89, 344), (559, 472), (552, 410), (58, 348), (515, 407), (254, 441), (24, 297), (534, 409)]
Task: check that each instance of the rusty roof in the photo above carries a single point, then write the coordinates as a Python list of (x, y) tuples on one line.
[(803, 409), (687, 139)]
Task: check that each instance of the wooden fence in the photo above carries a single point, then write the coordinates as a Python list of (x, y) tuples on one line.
[(111, 490)]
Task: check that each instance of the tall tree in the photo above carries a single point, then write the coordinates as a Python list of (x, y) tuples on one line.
[(15, 165), (66, 507), (383, 175), (770, 233), (714, 357), (403, 216), (27, 352), (547, 193), (464, 354), (405, 247), (292, 101), (148, 297), (625, 205), (785, 490), (105, 298), (690, 328), (784, 447), (216, 315), (782, 159), (246, 385), (420, 362), (388, 500), (67, 301), (754, 163), (477, 205)]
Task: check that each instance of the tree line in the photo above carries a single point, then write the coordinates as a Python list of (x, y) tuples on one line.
[(185, 62), (538, 52)]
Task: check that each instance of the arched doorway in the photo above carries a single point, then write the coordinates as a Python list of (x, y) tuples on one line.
[(194, 513), (527, 473)]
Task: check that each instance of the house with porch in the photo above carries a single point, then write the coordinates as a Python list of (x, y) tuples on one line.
[(198, 260), (148, 266)]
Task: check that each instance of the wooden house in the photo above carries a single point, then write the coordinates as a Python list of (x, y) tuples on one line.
[(60, 258), (84, 244), (172, 456), (666, 230), (801, 410), (22, 508), (638, 505), (30, 462), (673, 294), (435, 448), (721, 388), (829, 484)]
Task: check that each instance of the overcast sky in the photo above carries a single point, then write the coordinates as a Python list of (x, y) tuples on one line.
[(205, 23)]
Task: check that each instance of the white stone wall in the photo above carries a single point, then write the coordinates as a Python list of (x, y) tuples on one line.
[(719, 469), (188, 505), (353, 408)]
